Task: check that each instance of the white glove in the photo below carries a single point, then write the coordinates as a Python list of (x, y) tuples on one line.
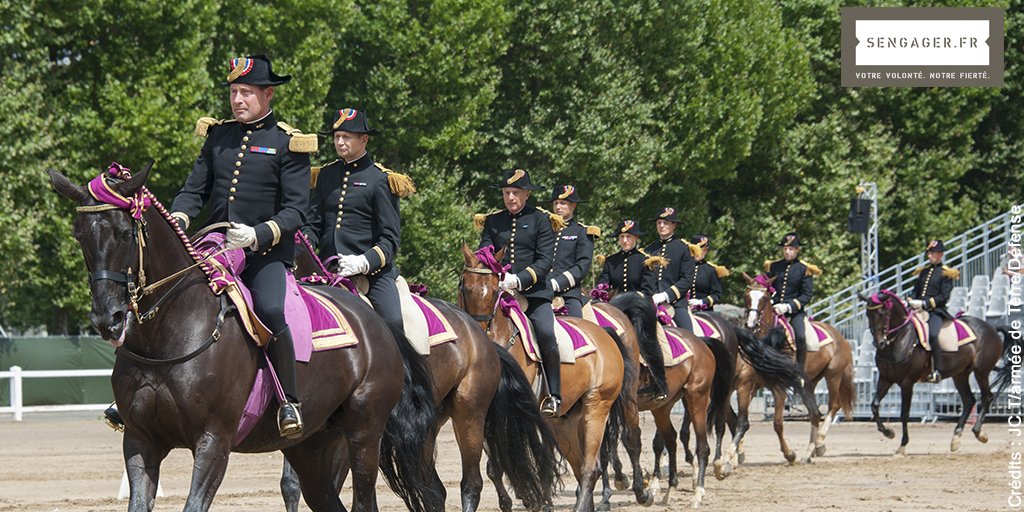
[(782, 309), (554, 285), (350, 265), (660, 298), (510, 282), (916, 304), (696, 302), (240, 236)]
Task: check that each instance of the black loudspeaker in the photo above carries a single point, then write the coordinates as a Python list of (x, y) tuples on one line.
[(860, 215)]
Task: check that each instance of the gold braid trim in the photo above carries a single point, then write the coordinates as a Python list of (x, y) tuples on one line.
[(951, 273), (768, 265), (599, 260), (695, 249), (918, 270), (300, 142), (557, 222)]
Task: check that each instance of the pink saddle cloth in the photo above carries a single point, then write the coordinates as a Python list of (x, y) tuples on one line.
[(705, 328)]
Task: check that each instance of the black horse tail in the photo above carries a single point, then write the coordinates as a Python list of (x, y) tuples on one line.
[(519, 442), (776, 369), (641, 314), (617, 414), (1004, 373), (721, 385), (405, 461)]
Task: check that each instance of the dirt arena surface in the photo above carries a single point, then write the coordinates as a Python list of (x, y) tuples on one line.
[(66, 463)]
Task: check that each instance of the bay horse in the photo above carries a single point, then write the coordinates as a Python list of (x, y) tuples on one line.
[(834, 363), (702, 381), (185, 365), (590, 386), (480, 387), (902, 360)]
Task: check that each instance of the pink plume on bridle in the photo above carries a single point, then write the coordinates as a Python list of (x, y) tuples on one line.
[(762, 279), (102, 192), (486, 256)]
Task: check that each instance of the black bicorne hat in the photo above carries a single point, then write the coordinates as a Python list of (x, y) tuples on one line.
[(668, 214), (349, 120), (630, 226), (935, 246), (566, 193), (791, 239), (254, 70), (517, 179), (701, 241)]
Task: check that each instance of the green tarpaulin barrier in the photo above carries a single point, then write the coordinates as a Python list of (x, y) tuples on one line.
[(58, 353)]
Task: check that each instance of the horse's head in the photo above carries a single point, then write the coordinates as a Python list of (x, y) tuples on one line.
[(886, 315), (111, 237), (758, 301), (478, 286)]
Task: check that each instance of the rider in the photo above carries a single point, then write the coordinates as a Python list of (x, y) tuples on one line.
[(629, 270), (706, 289), (931, 292), (354, 213), (253, 171), (794, 287), (573, 250), (528, 237), (675, 277)]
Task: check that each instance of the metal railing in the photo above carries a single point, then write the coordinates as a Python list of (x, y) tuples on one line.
[(17, 376)]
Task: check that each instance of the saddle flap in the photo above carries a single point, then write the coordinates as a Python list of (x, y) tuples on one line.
[(705, 327), (674, 348), (425, 326), (952, 335)]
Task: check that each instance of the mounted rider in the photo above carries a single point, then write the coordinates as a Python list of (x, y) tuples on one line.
[(528, 236), (573, 250), (354, 213), (706, 288), (675, 276), (931, 292), (253, 171), (630, 269), (794, 288)]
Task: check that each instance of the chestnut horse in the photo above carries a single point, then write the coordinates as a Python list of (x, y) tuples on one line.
[(185, 366), (834, 363), (902, 360), (590, 386), (481, 388)]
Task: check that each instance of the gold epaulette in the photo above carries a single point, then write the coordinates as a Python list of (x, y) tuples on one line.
[(314, 173), (480, 218), (557, 222), (599, 260), (918, 270), (654, 261), (951, 273), (593, 231), (720, 270), (300, 142), (400, 184), (694, 249), (768, 265), (812, 270), (204, 123)]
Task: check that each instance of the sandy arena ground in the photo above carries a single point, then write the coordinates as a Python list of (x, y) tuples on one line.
[(66, 463)]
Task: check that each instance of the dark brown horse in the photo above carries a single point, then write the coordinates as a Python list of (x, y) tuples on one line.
[(479, 386), (183, 373), (590, 386), (902, 360), (834, 363)]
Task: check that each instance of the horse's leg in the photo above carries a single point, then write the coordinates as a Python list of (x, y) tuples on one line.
[(906, 397), (658, 447), (880, 392), (632, 439), (363, 424), (595, 418), (963, 386), (663, 422), (815, 421), (496, 476), (210, 455), (986, 402), (684, 436), (722, 468), (142, 462), (290, 488), (698, 403), (468, 422), (621, 479), (606, 488), (744, 394), (317, 464), (780, 407)]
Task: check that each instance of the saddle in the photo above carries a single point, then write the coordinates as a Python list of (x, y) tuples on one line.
[(425, 326), (674, 349), (815, 336), (572, 342), (705, 328), (953, 334)]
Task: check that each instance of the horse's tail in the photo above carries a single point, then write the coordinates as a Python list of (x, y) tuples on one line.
[(721, 385), (776, 369), (641, 314), (847, 392), (1004, 373), (617, 414), (405, 461), (519, 441)]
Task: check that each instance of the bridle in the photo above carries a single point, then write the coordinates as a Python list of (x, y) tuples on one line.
[(888, 304), (489, 319), (759, 311)]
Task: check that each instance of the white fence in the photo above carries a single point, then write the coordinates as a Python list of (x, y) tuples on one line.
[(17, 376)]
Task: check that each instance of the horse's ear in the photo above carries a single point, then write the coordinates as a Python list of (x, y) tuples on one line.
[(747, 278), (64, 187), (130, 187), (861, 296), (498, 256), (467, 253), (773, 278)]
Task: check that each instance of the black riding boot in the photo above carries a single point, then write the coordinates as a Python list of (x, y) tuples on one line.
[(282, 356), (801, 356), (553, 371), (936, 374), (113, 418), (658, 385)]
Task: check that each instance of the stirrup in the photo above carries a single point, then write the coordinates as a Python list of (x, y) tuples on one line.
[(112, 417), (550, 406), (658, 395), (289, 420), (935, 377)]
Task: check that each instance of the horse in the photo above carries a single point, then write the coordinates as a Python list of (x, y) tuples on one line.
[(185, 365), (590, 386), (702, 381), (902, 360), (834, 363), (481, 389)]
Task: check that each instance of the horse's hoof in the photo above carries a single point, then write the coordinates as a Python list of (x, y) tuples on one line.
[(741, 457), (604, 506), (954, 445), (621, 484), (889, 433), (791, 457), (727, 470), (983, 437), (900, 452), (819, 451), (719, 470), (689, 458), (648, 499), (698, 497)]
